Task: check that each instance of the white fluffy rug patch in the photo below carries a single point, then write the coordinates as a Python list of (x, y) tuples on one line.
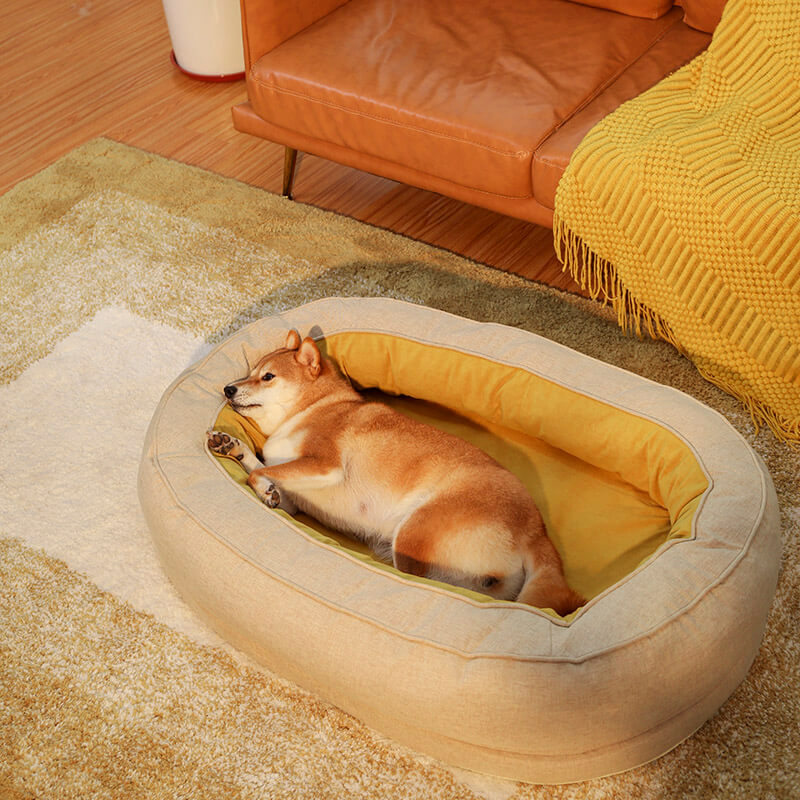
[(73, 425)]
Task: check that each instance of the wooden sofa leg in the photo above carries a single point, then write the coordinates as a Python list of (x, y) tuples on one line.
[(289, 163)]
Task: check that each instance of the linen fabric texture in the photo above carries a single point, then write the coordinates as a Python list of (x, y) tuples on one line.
[(683, 209), (497, 687)]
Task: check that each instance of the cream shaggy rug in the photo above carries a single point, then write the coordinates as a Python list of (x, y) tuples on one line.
[(118, 270)]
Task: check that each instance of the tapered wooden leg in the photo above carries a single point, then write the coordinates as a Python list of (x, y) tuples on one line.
[(289, 163)]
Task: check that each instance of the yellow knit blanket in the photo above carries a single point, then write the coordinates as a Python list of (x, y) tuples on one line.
[(683, 209)]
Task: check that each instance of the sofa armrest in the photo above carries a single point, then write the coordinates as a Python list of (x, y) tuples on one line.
[(267, 23)]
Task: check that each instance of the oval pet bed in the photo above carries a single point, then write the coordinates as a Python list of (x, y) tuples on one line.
[(665, 519)]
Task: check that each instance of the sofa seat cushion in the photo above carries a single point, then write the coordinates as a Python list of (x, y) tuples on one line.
[(466, 97)]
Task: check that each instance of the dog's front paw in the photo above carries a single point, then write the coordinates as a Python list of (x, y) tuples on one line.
[(224, 445), (265, 490)]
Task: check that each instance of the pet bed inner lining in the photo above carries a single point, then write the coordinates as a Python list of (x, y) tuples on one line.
[(613, 487)]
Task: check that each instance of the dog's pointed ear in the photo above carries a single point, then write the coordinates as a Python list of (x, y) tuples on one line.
[(292, 340), (308, 356)]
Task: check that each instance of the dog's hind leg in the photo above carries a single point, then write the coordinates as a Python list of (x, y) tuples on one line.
[(411, 548), (445, 540)]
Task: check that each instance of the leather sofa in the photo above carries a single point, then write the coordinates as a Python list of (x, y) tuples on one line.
[(483, 101)]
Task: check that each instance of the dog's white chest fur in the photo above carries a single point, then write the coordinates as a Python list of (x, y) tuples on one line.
[(341, 498), (284, 445)]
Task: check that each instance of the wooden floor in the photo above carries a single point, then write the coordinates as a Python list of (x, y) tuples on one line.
[(72, 70)]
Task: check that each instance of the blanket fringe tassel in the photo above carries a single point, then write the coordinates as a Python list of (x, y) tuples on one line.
[(598, 277)]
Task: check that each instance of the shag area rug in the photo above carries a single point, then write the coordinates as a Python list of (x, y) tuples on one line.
[(118, 270)]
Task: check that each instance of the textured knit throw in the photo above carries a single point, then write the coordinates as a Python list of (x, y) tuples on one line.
[(682, 208)]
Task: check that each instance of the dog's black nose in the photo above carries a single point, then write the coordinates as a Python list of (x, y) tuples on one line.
[(230, 391)]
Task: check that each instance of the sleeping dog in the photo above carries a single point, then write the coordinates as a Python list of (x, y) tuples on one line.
[(431, 503)]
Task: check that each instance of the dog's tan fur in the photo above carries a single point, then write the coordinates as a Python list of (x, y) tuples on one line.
[(432, 503)]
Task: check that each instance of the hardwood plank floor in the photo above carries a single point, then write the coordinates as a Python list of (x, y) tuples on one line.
[(72, 70)]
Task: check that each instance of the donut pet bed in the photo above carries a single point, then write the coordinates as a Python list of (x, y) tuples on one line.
[(665, 520)]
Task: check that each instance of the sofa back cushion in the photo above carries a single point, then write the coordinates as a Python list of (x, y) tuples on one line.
[(650, 9), (702, 14)]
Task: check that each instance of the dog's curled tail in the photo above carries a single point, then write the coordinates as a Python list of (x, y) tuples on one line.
[(545, 585), (551, 594)]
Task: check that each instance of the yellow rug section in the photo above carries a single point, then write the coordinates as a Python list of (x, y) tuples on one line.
[(681, 209)]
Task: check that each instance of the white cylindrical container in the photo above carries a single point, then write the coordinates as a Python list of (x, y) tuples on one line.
[(206, 37)]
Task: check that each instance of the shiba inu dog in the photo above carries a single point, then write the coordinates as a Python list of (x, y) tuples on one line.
[(429, 502)]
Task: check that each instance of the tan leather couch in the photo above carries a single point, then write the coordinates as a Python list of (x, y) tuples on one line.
[(480, 100)]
